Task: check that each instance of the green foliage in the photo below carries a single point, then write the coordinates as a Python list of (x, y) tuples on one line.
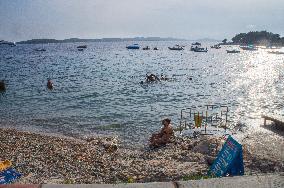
[(224, 41), (130, 180), (126, 180), (197, 176), (68, 181), (258, 38)]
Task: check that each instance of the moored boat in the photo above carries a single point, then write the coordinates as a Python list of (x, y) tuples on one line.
[(2, 42), (146, 48), (249, 48), (82, 46), (155, 48), (273, 47), (176, 47), (233, 51), (196, 44), (196, 47), (216, 46), (40, 49), (200, 50), (133, 47), (275, 52)]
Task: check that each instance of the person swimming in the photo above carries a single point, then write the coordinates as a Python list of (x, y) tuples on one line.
[(49, 84), (152, 78), (2, 85), (165, 78)]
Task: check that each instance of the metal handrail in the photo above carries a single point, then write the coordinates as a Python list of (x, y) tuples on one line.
[(208, 119)]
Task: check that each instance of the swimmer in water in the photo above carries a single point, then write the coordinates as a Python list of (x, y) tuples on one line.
[(2, 85), (49, 84), (152, 78)]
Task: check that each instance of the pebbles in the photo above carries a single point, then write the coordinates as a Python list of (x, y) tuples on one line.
[(48, 159)]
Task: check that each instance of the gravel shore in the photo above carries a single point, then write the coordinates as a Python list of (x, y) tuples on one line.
[(50, 159)]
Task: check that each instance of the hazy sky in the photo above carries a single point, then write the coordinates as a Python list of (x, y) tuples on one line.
[(190, 19)]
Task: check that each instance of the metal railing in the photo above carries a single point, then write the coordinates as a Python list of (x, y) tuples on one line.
[(204, 116)]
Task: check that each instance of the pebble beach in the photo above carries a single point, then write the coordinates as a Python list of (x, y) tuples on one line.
[(50, 159)]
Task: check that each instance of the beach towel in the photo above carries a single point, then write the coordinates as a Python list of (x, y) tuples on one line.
[(8, 176), (197, 120)]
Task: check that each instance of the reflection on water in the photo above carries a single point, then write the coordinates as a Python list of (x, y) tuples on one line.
[(100, 87)]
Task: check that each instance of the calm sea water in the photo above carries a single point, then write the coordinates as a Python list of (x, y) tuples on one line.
[(97, 91)]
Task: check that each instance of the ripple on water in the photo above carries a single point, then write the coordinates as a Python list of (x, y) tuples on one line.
[(98, 90)]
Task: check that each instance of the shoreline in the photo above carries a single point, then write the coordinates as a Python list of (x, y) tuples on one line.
[(51, 159)]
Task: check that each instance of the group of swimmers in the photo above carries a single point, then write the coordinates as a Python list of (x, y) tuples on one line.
[(3, 85), (154, 78), (149, 78)]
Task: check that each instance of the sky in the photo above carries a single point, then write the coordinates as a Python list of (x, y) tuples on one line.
[(188, 19)]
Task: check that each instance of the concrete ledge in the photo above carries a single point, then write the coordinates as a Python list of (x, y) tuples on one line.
[(20, 186), (128, 185), (263, 181), (273, 181)]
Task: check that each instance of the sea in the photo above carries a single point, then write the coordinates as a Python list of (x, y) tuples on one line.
[(98, 91)]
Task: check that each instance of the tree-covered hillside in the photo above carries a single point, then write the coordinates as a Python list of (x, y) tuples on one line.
[(258, 38)]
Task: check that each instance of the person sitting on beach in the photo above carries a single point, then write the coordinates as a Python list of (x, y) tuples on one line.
[(164, 136), (49, 84), (2, 85)]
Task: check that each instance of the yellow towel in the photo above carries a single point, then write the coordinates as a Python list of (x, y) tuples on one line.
[(197, 120), (5, 164)]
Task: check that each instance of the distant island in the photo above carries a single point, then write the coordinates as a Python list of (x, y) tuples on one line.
[(262, 38), (44, 41)]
